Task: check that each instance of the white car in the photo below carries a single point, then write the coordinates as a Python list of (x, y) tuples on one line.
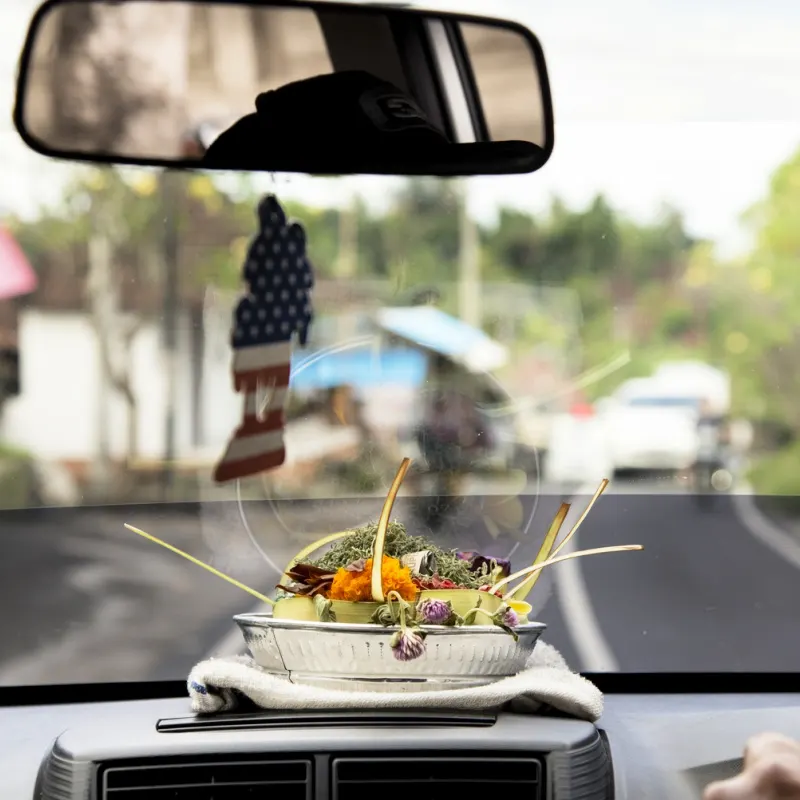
[(651, 430)]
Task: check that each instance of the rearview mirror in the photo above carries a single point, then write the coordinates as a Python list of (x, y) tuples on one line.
[(313, 87)]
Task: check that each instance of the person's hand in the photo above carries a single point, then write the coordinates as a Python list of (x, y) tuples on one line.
[(771, 770)]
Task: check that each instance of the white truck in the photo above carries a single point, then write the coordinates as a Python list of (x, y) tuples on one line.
[(651, 423), (695, 380), (647, 427)]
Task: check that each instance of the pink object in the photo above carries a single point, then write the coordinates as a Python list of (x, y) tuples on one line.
[(16, 274), (582, 410)]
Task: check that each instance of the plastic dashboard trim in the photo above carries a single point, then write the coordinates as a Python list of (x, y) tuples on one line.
[(660, 683), (664, 746)]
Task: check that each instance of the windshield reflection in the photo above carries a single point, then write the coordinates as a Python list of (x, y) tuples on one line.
[(520, 339)]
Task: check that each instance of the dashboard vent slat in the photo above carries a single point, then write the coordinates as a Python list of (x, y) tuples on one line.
[(331, 719), (428, 777), (190, 779)]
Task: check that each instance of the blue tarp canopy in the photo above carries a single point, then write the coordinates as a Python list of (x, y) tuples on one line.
[(432, 329), (361, 368)]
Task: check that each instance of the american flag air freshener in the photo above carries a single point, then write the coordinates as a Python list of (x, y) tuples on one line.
[(276, 307)]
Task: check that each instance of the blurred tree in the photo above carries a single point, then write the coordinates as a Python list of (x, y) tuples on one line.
[(420, 234), (763, 345), (101, 96), (104, 250), (647, 289)]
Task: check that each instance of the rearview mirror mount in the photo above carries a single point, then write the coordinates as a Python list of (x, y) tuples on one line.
[(315, 87)]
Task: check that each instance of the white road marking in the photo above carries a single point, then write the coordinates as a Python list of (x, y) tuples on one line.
[(765, 530), (580, 620)]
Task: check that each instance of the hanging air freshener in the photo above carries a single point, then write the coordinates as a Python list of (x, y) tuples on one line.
[(277, 305)]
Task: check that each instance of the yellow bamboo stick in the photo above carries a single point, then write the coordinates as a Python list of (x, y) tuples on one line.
[(199, 563), (380, 536), (582, 517), (577, 554)]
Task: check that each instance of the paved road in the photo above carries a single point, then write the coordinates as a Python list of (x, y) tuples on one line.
[(84, 600), (705, 595)]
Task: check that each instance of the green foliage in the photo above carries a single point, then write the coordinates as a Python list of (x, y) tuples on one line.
[(754, 308), (16, 478), (777, 473), (677, 322), (11, 452), (646, 289)]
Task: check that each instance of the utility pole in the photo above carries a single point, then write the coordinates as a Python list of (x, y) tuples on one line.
[(469, 276), (347, 265), (103, 310), (347, 261), (171, 300)]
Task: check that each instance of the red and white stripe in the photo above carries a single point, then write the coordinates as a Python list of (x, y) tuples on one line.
[(260, 372)]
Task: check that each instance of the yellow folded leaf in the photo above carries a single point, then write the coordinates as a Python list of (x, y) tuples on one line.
[(522, 608), (525, 588)]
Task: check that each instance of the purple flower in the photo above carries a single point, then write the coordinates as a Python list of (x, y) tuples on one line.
[(510, 618), (505, 566), (407, 645), (435, 612), (477, 562)]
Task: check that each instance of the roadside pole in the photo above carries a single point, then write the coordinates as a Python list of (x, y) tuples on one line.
[(469, 275), (103, 309), (347, 257), (171, 301)]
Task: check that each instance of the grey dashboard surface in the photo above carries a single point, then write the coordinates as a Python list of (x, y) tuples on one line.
[(663, 746)]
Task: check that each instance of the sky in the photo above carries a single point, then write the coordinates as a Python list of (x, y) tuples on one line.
[(687, 102)]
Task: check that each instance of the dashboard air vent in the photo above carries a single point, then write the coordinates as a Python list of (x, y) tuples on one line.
[(206, 779), (431, 777)]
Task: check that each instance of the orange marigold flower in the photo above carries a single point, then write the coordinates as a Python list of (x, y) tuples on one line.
[(357, 586)]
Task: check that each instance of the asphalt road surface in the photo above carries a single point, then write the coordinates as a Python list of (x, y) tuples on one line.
[(85, 600)]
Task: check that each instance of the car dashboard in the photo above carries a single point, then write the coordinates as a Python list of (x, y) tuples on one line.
[(645, 746)]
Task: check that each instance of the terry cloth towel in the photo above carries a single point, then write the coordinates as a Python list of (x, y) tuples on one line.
[(546, 682)]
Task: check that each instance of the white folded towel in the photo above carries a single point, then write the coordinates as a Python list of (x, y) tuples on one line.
[(547, 681)]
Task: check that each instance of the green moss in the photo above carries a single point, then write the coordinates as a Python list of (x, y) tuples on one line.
[(398, 544)]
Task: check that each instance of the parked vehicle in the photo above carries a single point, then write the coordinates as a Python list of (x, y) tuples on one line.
[(578, 451), (650, 427), (697, 381)]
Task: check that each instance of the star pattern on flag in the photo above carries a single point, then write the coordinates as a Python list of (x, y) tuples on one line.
[(279, 280)]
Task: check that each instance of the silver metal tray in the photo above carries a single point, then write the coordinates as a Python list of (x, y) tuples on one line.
[(359, 657)]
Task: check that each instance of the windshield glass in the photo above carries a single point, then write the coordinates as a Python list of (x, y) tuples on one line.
[(662, 235)]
